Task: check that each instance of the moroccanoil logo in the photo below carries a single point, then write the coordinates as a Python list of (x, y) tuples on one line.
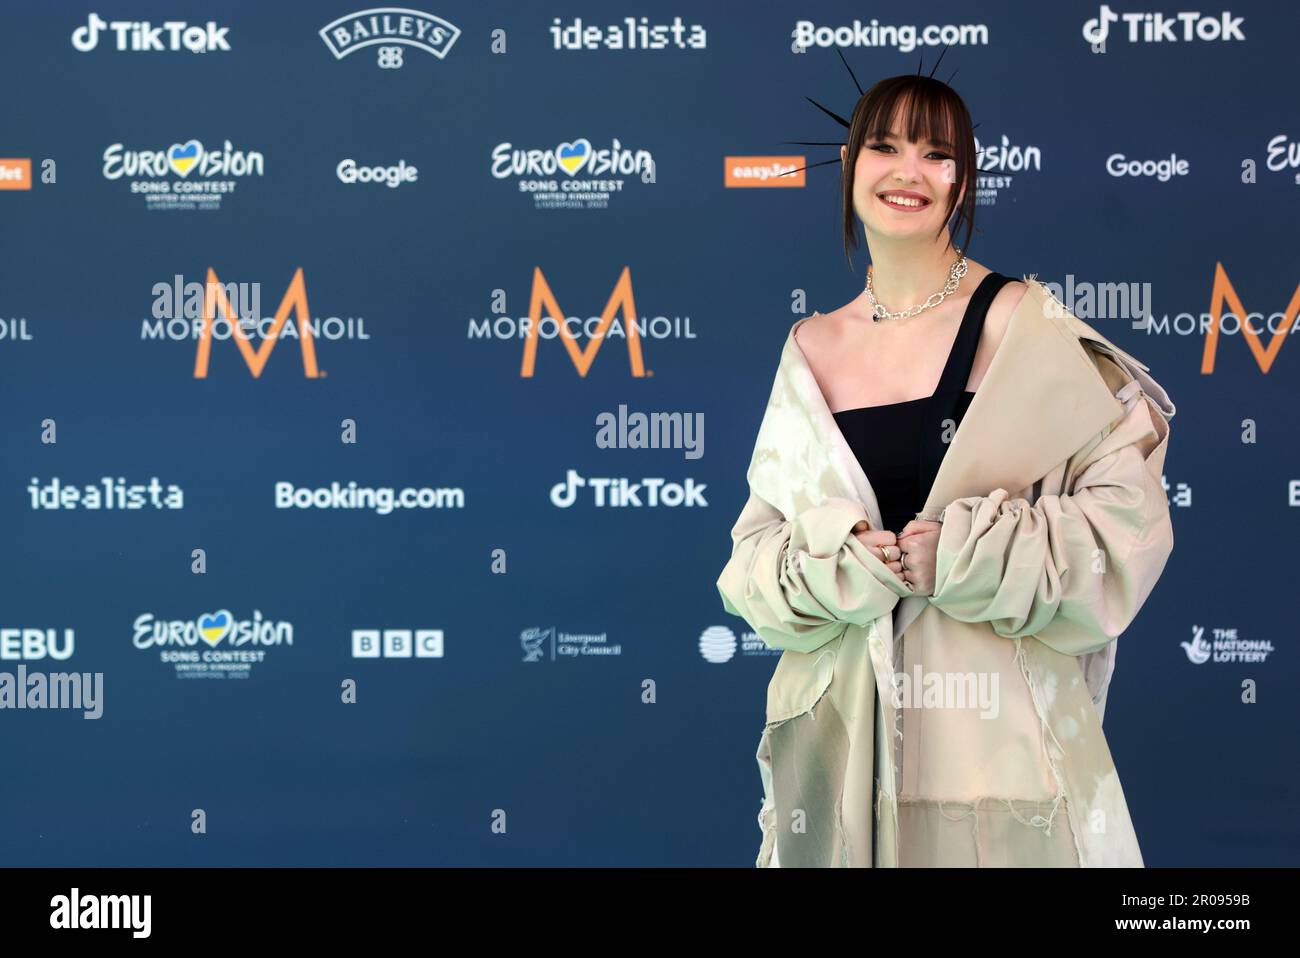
[(295, 298), (1227, 315), (213, 310), (582, 358), (547, 321), (1250, 325)]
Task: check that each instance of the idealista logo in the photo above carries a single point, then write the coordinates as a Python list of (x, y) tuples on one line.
[(595, 328), (114, 494), (632, 33), (1162, 27), (551, 643), (389, 29), (141, 36), (192, 644), (163, 176), (603, 172), (397, 643), (204, 312), (1225, 647), (620, 493)]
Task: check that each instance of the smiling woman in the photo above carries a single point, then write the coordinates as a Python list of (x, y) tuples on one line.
[(935, 118), (954, 477)]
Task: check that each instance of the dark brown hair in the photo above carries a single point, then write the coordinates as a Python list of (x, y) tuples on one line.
[(931, 110)]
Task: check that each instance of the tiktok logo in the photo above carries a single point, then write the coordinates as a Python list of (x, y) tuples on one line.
[(618, 493), (143, 36), (565, 494), (1160, 27), (1097, 29)]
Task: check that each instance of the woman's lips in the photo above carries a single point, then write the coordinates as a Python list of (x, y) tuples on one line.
[(918, 203)]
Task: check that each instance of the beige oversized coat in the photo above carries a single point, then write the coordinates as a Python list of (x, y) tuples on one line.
[(1055, 529)]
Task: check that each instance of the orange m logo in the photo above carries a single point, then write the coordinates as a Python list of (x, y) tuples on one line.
[(295, 297), (582, 358), (1222, 291)]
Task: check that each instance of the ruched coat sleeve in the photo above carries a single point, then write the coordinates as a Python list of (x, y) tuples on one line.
[(800, 582), (1074, 567)]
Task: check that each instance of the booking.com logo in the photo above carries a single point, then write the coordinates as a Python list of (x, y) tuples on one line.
[(382, 499)]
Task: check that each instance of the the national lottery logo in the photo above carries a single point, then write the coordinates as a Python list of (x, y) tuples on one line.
[(141, 36), (213, 645), (389, 30), (186, 175), (1224, 645), (572, 174), (606, 492), (551, 644)]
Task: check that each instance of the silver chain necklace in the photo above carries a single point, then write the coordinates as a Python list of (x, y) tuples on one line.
[(878, 312)]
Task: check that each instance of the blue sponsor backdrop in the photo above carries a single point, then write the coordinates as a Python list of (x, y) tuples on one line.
[(582, 768)]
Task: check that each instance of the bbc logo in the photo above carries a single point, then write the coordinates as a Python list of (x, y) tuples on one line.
[(397, 643)]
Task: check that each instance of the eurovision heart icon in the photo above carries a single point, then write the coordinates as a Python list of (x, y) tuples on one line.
[(571, 156), (183, 157), (215, 626)]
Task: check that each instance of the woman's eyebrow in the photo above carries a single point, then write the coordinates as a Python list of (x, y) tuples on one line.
[(943, 143)]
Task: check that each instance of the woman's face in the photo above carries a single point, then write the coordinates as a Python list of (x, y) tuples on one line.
[(900, 187)]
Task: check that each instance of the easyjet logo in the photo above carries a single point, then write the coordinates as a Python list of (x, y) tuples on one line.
[(15, 174), (621, 297), (757, 171), (1223, 292), (295, 299)]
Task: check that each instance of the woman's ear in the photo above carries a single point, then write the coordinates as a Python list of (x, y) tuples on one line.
[(844, 152)]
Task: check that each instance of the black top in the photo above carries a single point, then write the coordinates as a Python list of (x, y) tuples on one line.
[(900, 445)]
